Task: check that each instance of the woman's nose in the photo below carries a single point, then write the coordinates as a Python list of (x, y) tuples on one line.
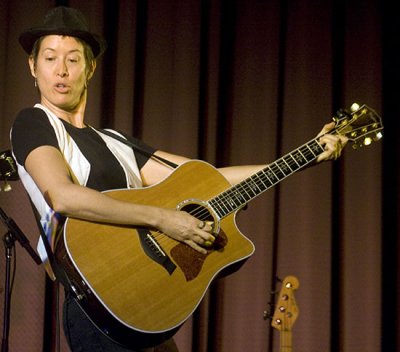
[(62, 70)]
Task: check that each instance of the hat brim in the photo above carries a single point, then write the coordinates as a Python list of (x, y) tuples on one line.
[(28, 38)]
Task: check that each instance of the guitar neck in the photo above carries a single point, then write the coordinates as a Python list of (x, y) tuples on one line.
[(286, 341), (239, 195)]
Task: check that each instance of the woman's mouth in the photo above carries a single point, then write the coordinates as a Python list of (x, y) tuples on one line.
[(61, 88)]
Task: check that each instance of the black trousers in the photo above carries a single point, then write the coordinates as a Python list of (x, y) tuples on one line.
[(83, 336)]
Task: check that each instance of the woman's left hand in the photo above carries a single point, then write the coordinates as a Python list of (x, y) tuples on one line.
[(333, 144)]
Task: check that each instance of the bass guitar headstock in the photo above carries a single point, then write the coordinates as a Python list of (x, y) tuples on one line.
[(286, 311)]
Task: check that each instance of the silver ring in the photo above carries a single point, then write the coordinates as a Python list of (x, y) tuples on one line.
[(201, 225)]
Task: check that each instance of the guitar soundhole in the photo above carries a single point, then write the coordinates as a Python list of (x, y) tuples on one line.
[(200, 212)]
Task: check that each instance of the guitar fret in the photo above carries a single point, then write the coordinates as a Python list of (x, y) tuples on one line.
[(231, 204), (225, 209), (283, 166), (254, 186), (215, 204), (225, 204), (274, 173), (235, 198), (287, 160), (294, 166), (300, 159), (256, 183), (264, 181), (267, 178), (259, 182), (307, 152), (244, 196), (294, 159), (251, 188), (315, 148), (310, 150)]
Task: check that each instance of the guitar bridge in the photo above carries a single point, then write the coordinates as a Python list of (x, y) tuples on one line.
[(154, 251)]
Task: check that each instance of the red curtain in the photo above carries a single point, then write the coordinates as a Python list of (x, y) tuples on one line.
[(245, 82)]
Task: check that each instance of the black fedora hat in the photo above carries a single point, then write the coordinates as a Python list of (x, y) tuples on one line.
[(66, 21)]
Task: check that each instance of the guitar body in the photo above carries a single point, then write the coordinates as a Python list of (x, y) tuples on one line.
[(117, 276)]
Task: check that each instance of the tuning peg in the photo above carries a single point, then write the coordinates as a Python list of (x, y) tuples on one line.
[(267, 315), (354, 107), (367, 141), (267, 312), (342, 113), (378, 136)]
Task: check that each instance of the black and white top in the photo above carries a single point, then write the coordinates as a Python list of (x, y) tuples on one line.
[(95, 160)]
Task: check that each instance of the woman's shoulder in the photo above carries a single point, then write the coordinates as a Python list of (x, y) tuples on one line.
[(30, 113), (31, 129), (31, 119)]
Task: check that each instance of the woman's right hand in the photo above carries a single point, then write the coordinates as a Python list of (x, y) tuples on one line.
[(185, 228)]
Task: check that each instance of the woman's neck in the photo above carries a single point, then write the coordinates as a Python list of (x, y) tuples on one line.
[(75, 117)]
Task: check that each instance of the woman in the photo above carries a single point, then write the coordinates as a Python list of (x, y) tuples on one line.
[(64, 163)]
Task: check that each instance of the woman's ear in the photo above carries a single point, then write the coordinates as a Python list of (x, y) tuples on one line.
[(92, 68), (32, 66)]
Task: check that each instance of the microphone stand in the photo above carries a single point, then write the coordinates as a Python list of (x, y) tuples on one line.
[(8, 172), (13, 234)]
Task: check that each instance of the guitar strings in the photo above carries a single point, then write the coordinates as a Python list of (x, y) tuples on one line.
[(199, 212), (256, 183), (228, 200)]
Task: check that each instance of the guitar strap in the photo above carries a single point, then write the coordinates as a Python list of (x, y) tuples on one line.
[(138, 148), (56, 273), (59, 273)]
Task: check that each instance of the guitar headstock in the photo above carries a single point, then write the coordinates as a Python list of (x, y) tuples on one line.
[(286, 311), (361, 125), (8, 170)]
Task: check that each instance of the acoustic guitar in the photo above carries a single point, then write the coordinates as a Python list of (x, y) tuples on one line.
[(139, 284), (286, 313)]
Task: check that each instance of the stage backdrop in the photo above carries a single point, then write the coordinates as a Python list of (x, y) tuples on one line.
[(243, 82)]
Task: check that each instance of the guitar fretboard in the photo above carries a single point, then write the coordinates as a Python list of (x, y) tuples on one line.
[(240, 194)]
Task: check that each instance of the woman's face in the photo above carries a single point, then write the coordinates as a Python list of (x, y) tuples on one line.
[(61, 73)]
